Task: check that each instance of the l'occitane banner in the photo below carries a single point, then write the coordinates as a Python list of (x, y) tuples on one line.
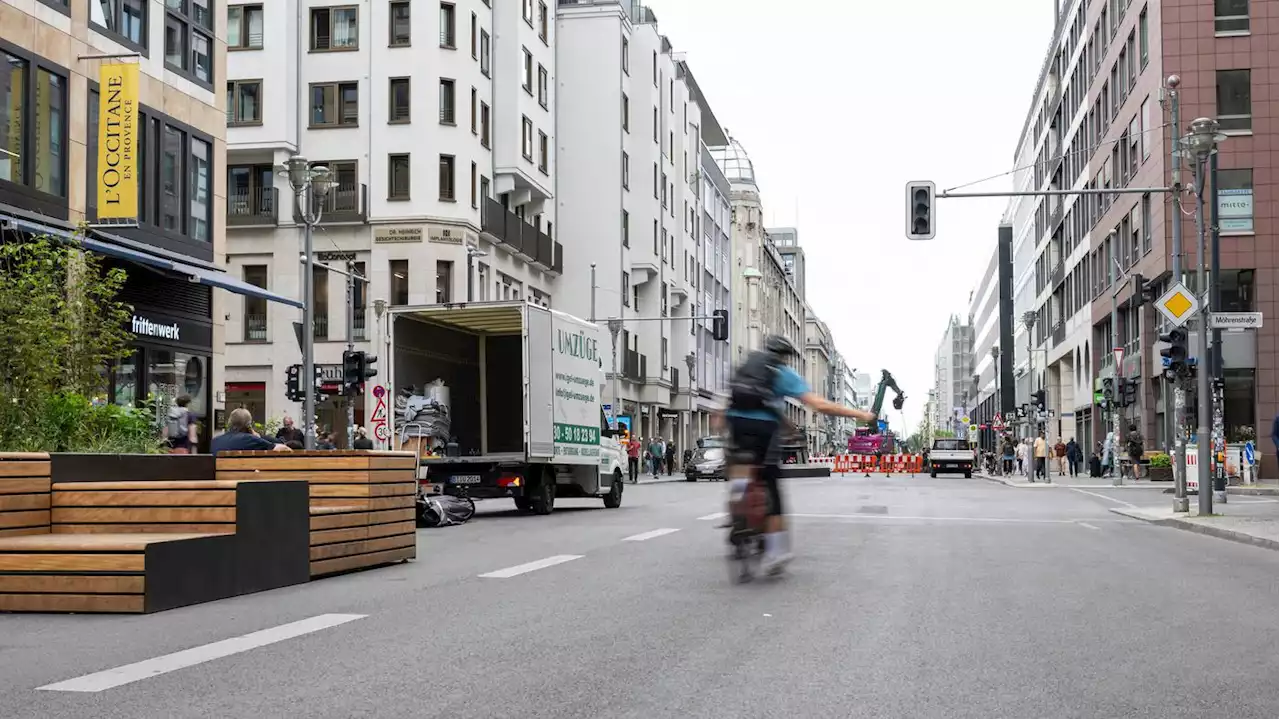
[(118, 142)]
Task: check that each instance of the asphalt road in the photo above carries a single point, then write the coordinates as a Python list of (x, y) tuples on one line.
[(910, 597)]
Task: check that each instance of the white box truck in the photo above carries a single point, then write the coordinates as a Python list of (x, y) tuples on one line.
[(526, 419)]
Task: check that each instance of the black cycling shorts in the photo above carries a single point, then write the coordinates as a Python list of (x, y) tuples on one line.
[(755, 438)]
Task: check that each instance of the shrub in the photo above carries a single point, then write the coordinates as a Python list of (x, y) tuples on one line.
[(1161, 459)]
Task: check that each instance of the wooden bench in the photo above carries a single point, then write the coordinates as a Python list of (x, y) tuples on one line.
[(362, 503), (144, 546), (24, 494)]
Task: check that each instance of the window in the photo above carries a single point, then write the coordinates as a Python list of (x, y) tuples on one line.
[(1235, 201), (398, 100), (399, 31), (446, 101), (482, 280), (657, 249), (1144, 38), (250, 191), (1145, 131), (626, 57), (655, 180), (544, 152), (320, 283), (626, 171), (656, 124), (399, 282), (335, 104), (255, 308), (335, 28), (626, 284), (447, 26), (244, 27), (475, 37), (484, 124), (528, 71), (188, 39), (626, 238), (398, 177), (655, 68), (1146, 224), (244, 105), (526, 138), (542, 86), (125, 19), (1235, 109), (1231, 17), (542, 22), (475, 201), (444, 282), (626, 113), (475, 128), (484, 53), (446, 179), (527, 11), (484, 187)]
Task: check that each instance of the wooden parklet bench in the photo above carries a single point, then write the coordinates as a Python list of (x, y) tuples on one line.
[(362, 502), (143, 546)]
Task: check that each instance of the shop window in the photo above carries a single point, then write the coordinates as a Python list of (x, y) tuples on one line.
[(171, 374), (1238, 409), (1235, 201), (444, 282), (399, 270)]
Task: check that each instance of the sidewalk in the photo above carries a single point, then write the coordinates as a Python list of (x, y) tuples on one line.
[(1019, 480), (650, 479), (1259, 526)]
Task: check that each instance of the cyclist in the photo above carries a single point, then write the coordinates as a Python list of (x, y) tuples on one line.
[(755, 417)]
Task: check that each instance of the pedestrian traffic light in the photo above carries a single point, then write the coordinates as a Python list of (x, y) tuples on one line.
[(1128, 392), (720, 325), (1175, 355), (920, 215), (292, 383), (1108, 389), (1143, 292), (351, 372)]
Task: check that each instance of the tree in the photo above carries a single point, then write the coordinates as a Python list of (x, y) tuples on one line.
[(62, 327)]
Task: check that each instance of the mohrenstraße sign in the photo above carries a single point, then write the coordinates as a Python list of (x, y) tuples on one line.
[(1235, 320)]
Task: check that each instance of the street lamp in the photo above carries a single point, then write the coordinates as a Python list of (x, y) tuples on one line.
[(310, 187), (1197, 145), (1029, 321)]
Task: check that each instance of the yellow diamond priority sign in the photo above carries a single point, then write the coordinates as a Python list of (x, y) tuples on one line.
[(1178, 304)]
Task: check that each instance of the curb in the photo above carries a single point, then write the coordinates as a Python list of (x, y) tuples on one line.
[(660, 480), (1254, 491), (1206, 529)]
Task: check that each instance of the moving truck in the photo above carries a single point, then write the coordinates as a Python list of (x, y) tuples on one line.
[(525, 401)]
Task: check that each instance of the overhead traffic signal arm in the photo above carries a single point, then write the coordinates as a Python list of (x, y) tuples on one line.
[(920, 210)]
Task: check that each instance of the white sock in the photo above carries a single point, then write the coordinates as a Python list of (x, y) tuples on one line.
[(772, 540)]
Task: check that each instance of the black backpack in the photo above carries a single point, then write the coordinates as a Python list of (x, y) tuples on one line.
[(752, 385)]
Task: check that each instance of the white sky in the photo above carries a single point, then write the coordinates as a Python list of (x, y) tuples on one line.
[(840, 103)]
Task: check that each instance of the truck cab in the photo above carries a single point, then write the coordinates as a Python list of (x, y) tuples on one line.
[(950, 455)]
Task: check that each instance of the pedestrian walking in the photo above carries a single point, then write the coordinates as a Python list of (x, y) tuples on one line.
[(656, 451), (180, 431), (1060, 457), (669, 458), (1021, 456), (1041, 451), (1073, 457), (1135, 446), (633, 460), (1008, 452)]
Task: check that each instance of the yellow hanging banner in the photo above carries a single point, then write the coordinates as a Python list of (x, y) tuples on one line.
[(117, 175)]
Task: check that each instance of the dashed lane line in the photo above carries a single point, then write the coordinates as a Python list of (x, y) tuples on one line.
[(650, 534), (1103, 496), (713, 516), (530, 566)]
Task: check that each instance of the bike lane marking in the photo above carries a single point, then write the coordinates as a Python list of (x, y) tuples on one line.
[(530, 566), (712, 516), (649, 535), (129, 673)]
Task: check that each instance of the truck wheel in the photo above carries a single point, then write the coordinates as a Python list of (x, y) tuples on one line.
[(524, 504), (544, 494), (968, 474), (613, 499), (934, 475)]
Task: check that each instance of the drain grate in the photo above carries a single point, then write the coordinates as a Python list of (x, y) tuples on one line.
[(873, 509)]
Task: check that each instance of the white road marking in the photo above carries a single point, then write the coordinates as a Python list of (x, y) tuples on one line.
[(1086, 524), (1103, 496), (712, 516), (531, 566), (130, 673), (1011, 520), (649, 535)]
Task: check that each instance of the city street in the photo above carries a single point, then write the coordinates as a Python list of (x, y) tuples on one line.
[(909, 597)]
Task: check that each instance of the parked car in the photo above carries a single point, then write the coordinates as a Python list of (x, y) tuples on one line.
[(707, 461)]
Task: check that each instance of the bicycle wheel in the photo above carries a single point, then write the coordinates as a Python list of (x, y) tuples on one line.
[(471, 504)]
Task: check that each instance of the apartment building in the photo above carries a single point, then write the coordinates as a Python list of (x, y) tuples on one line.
[(438, 123), (993, 340), (171, 243), (820, 362), (1099, 120), (766, 300), (953, 371)]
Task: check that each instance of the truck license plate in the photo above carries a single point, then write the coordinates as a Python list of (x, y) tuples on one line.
[(465, 479)]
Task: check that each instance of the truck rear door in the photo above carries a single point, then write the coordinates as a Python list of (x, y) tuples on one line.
[(539, 376)]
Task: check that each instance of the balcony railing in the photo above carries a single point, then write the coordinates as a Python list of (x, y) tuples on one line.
[(358, 323), (634, 366), (320, 328), (255, 328), (343, 204), (1059, 334), (256, 207), (518, 236)]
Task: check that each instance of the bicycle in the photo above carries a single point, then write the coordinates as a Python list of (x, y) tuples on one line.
[(748, 507), (428, 512)]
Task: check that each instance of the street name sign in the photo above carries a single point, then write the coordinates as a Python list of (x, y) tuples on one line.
[(1235, 320), (1178, 304)]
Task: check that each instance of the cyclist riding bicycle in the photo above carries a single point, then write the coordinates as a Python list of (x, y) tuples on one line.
[(755, 417)]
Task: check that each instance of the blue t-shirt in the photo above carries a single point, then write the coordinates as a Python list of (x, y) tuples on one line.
[(236, 441), (786, 383)]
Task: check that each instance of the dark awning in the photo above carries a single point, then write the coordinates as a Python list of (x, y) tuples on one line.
[(103, 244)]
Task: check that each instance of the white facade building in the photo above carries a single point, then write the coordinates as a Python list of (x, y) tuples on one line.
[(953, 364), (438, 122), (638, 206), (820, 360)]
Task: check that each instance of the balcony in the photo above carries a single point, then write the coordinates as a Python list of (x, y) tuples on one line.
[(1059, 334), (343, 204), (320, 328), (1055, 276), (634, 366), (358, 325), (516, 235), (252, 207), (255, 328)]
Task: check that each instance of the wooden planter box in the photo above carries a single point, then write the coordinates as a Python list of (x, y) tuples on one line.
[(1160, 474)]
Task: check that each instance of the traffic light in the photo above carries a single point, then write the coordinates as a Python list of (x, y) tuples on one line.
[(1037, 399), (720, 325), (920, 215), (367, 369), (1108, 389), (292, 383), (351, 372), (1128, 392), (1143, 293), (1175, 355)]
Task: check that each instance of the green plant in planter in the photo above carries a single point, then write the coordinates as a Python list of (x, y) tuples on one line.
[(1161, 460)]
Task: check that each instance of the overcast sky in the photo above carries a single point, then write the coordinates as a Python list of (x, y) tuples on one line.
[(839, 103)]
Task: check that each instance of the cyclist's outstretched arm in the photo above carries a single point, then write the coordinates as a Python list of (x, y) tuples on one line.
[(822, 405)]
